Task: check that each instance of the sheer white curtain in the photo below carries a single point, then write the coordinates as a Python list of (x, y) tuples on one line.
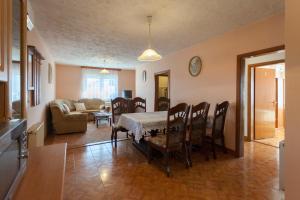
[(99, 85)]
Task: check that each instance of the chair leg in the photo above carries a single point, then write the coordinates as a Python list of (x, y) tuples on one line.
[(223, 144), (168, 169), (205, 147), (190, 155), (187, 148), (112, 133), (149, 154), (116, 137), (213, 149)]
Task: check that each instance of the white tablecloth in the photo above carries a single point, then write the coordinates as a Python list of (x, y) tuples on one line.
[(139, 123)]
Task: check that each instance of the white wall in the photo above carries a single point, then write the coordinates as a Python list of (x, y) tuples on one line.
[(38, 113), (292, 141)]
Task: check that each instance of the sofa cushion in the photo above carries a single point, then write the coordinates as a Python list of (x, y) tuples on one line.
[(75, 112), (70, 104), (60, 102), (80, 106), (89, 111), (66, 108), (92, 104)]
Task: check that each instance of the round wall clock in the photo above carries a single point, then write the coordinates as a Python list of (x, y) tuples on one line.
[(144, 75), (195, 66)]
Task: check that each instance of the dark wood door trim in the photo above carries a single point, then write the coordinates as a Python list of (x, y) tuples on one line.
[(239, 145), (23, 65), (156, 75)]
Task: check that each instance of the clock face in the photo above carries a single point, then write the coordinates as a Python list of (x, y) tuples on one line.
[(195, 66)]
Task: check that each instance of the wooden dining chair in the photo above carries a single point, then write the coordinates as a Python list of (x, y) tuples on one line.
[(174, 139), (119, 106), (197, 126), (162, 104), (216, 132), (138, 105)]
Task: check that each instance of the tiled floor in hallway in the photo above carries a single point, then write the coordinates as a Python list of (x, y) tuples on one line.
[(105, 172)]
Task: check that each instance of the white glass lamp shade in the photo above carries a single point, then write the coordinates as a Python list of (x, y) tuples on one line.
[(149, 55), (104, 71)]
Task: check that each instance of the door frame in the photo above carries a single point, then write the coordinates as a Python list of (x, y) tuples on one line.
[(239, 142), (156, 75), (251, 137)]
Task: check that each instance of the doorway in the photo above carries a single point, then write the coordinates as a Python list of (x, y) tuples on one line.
[(267, 102), (245, 93), (162, 85)]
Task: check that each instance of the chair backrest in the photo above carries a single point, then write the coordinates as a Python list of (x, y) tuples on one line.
[(198, 121), (162, 104), (176, 124), (138, 104), (219, 119), (119, 106)]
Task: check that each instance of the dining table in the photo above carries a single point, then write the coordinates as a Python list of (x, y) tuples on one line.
[(141, 123)]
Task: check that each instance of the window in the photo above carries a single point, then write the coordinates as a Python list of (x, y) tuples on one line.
[(15, 82), (99, 85), (34, 64)]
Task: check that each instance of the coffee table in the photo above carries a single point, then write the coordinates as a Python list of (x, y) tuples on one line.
[(102, 116)]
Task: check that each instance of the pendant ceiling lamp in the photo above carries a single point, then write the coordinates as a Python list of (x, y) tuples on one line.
[(103, 70), (149, 54)]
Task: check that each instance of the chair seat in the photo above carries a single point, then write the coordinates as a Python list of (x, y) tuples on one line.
[(209, 132), (160, 140), (119, 128)]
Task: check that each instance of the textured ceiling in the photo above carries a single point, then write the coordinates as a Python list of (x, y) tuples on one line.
[(85, 32)]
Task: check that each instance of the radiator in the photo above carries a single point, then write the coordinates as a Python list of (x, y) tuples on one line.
[(36, 134)]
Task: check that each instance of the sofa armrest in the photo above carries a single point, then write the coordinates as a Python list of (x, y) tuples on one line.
[(76, 117)]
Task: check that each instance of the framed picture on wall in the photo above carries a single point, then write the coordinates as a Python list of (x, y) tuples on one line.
[(49, 73)]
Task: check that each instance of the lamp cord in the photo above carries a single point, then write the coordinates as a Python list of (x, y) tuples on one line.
[(149, 33)]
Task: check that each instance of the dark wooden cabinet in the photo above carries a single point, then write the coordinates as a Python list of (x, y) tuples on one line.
[(5, 58), (34, 62), (5, 37), (13, 43)]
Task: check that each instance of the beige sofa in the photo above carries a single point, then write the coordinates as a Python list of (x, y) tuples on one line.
[(91, 105), (74, 121)]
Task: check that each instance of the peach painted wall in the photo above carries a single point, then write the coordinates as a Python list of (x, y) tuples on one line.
[(217, 81), (127, 81), (292, 141), (38, 113), (68, 81)]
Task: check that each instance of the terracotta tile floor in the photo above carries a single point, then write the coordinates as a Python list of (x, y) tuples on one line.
[(92, 135), (104, 172)]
